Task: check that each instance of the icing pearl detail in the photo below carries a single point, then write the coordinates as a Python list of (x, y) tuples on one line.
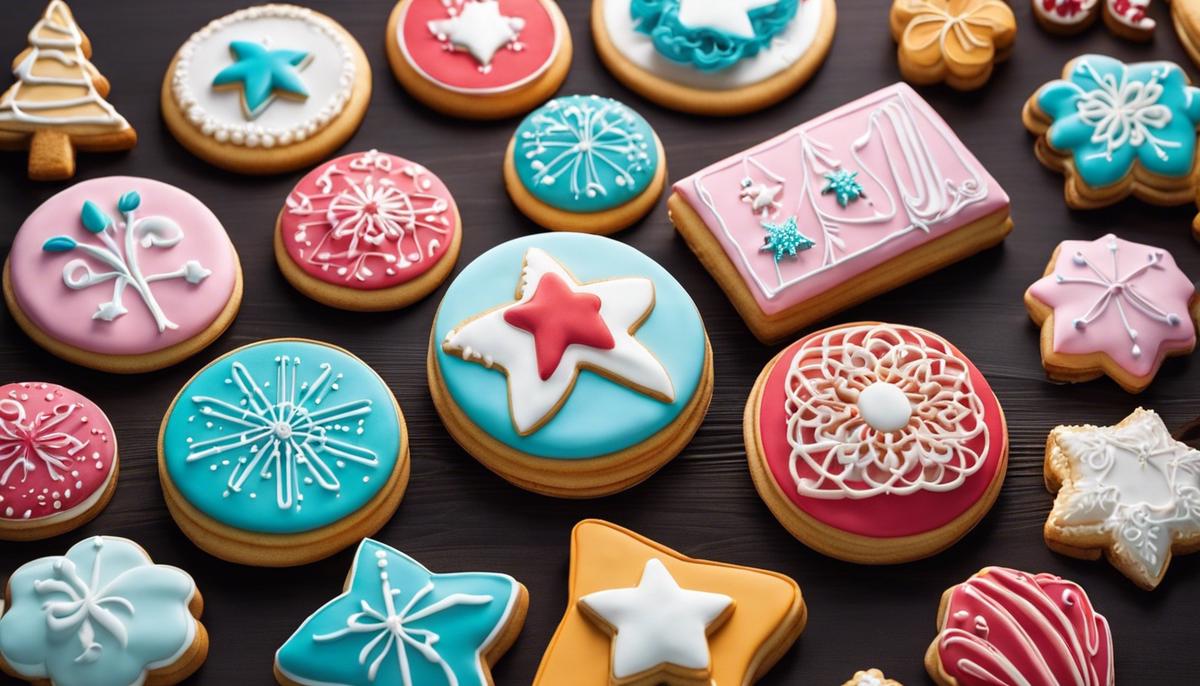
[(884, 407)]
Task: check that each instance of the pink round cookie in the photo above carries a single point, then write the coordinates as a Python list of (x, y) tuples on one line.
[(58, 460), (123, 274)]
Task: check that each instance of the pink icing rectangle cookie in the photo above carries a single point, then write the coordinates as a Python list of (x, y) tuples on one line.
[(881, 192)]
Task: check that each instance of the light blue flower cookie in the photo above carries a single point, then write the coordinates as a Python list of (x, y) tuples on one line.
[(398, 624), (1117, 129)]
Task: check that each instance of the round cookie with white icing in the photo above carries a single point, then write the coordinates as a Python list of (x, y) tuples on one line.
[(479, 59), (714, 58), (103, 614), (283, 452), (123, 274), (875, 443), (266, 89), (569, 364), (58, 460), (368, 231), (585, 163)]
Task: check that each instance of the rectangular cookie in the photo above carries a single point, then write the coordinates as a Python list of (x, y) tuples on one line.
[(925, 202)]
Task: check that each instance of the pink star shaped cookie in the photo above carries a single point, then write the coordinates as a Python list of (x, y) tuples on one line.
[(1114, 307)]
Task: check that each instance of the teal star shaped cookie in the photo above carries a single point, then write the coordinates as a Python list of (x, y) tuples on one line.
[(262, 74), (398, 624), (785, 239), (844, 184)]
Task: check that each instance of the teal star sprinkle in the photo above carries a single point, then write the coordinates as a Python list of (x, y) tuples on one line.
[(785, 239), (845, 184), (262, 73)]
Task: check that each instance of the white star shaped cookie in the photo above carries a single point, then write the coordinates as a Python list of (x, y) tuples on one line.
[(658, 623), (727, 16), (479, 29)]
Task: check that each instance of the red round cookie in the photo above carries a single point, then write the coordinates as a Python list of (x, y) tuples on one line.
[(368, 221), (58, 459)]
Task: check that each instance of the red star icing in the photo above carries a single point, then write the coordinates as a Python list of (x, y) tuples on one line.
[(559, 317)]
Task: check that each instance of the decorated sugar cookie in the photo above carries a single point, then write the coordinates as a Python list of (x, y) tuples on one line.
[(715, 58), (58, 460), (102, 615), (569, 364), (875, 443), (58, 103), (1186, 17), (1126, 18), (1004, 626), (1130, 491), (399, 624), (283, 452), (585, 163), (641, 613), (479, 59), (849, 205), (123, 274), (266, 89), (1115, 130), (955, 41), (368, 231), (1112, 307), (871, 677)]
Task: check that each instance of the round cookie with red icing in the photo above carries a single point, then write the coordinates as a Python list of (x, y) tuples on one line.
[(58, 460), (1004, 626), (479, 59), (123, 274), (875, 443), (368, 231)]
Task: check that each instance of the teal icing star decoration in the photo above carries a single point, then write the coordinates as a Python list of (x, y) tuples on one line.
[(785, 239), (262, 74), (398, 624), (845, 184)]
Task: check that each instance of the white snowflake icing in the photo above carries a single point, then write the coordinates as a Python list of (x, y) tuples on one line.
[(27, 441), (1123, 112), (275, 438)]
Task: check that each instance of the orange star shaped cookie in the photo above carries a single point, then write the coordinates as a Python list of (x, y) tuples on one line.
[(728, 624), (956, 41)]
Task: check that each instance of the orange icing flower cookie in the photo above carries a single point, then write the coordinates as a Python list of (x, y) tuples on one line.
[(955, 41), (639, 613)]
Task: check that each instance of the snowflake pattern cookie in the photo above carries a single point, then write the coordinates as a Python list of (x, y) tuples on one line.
[(585, 163), (58, 460), (479, 59), (714, 58), (871, 195), (1126, 18), (1129, 491), (875, 443), (664, 617), (58, 103), (1004, 626), (123, 274), (399, 624), (102, 615), (1115, 130), (955, 41), (593, 377), (368, 231), (283, 452), (266, 89), (1112, 307)]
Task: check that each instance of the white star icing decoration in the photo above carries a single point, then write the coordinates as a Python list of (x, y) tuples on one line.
[(727, 16), (658, 623), (1132, 485), (537, 387), (480, 30)]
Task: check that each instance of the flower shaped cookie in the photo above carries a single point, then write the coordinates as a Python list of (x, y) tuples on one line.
[(102, 615), (956, 41)]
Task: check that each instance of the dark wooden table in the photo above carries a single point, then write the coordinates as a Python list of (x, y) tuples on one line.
[(458, 516)]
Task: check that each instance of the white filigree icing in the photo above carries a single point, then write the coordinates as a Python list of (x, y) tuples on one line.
[(79, 606), (879, 409), (27, 442), (1122, 113)]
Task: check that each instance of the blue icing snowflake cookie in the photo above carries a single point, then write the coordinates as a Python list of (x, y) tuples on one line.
[(398, 624), (283, 437), (712, 35)]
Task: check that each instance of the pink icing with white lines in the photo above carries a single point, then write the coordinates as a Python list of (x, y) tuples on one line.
[(57, 451), (1005, 627), (918, 180)]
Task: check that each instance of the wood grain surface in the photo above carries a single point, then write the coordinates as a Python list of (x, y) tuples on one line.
[(458, 516)]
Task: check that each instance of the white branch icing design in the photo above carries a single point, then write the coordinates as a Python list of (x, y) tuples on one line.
[(23, 438), (1122, 113), (277, 438), (84, 607)]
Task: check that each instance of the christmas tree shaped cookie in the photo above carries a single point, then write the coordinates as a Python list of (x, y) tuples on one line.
[(57, 104)]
